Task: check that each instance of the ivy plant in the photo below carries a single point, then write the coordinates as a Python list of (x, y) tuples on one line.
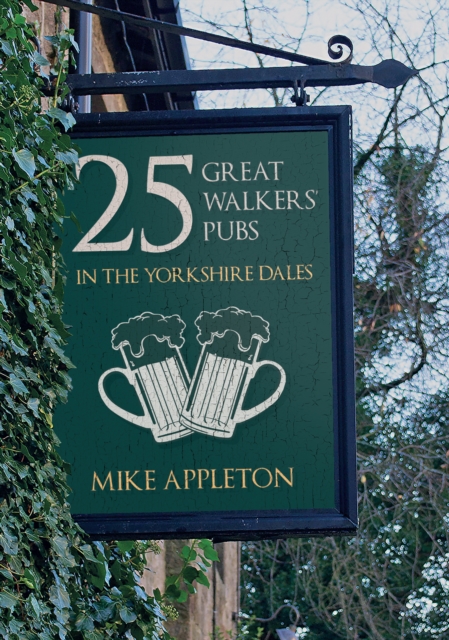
[(54, 583)]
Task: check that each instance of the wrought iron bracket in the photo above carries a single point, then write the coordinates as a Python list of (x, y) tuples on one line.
[(335, 48), (315, 72), (389, 74)]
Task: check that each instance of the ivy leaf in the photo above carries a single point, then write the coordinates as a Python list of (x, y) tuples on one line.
[(190, 574), (211, 554), (105, 608), (102, 575), (69, 157), (183, 596), (29, 579), (190, 588), (19, 19), (127, 615), (35, 605), (204, 543), (7, 574), (66, 119), (157, 594), (33, 405), (30, 5), (25, 160), (140, 593), (40, 60), (172, 591), (125, 545), (59, 596), (60, 546), (187, 553), (18, 385), (6, 47), (202, 579), (87, 552), (83, 622), (2, 299), (54, 40), (7, 599)]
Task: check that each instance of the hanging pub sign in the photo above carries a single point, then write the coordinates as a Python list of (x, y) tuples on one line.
[(209, 297)]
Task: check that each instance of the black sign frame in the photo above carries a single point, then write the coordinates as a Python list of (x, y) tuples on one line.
[(252, 525)]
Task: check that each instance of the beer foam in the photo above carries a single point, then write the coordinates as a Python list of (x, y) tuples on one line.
[(136, 330), (243, 323)]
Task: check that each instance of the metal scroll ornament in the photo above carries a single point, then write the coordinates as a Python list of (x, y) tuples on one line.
[(335, 48)]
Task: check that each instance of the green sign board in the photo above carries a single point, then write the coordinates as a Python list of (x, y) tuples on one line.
[(209, 301)]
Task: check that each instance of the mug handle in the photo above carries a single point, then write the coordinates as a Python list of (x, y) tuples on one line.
[(242, 416), (140, 421)]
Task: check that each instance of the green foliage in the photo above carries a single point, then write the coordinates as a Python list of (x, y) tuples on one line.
[(53, 583), (200, 553), (391, 580)]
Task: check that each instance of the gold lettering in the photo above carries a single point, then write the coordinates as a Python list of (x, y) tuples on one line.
[(265, 266), (289, 274), (227, 478), (129, 480), (278, 274), (205, 274), (186, 477), (249, 272), (134, 276), (279, 473), (148, 480), (235, 273), (177, 274), (97, 480), (309, 271), (200, 477), (150, 274), (190, 275), (120, 487), (216, 272), (78, 276), (86, 274), (299, 269), (172, 478), (168, 274), (119, 275), (262, 486), (244, 477), (108, 275), (213, 480)]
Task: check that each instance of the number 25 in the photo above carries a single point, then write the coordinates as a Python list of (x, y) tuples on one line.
[(162, 189)]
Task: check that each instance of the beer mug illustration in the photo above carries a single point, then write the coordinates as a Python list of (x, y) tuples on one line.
[(150, 346), (231, 340)]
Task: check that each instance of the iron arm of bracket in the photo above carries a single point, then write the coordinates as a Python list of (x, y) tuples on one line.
[(389, 73), (335, 48)]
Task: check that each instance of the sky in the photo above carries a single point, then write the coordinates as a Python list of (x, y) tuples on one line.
[(414, 32)]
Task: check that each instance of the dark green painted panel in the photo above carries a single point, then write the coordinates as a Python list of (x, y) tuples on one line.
[(275, 198)]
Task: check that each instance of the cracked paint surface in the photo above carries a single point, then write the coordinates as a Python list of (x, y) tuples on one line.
[(277, 268)]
